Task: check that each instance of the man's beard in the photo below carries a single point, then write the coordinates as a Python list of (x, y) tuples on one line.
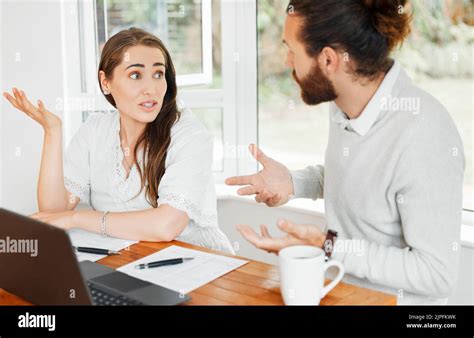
[(315, 87)]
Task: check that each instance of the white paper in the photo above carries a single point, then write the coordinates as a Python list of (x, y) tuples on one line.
[(89, 239), (187, 276)]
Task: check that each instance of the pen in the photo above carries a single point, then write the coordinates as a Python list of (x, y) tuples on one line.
[(162, 263), (95, 251)]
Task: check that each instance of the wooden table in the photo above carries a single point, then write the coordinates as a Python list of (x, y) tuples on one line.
[(255, 283)]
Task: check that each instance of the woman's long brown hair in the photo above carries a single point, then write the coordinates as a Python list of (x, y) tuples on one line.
[(156, 137)]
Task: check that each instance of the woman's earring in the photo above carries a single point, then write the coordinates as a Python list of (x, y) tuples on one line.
[(106, 92)]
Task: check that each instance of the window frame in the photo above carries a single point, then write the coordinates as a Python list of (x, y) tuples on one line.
[(206, 46), (191, 79)]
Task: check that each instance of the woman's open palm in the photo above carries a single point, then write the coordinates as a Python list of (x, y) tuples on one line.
[(39, 113)]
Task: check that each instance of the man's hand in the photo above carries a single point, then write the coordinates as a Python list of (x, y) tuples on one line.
[(297, 234), (62, 219), (272, 185)]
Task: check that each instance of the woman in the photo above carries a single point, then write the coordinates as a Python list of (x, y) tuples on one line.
[(145, 169)]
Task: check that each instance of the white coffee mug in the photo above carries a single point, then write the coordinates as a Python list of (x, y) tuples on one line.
[(302, 271)]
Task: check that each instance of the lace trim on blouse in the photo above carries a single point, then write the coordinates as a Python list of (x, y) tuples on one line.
[(78, 189), (179, 202)]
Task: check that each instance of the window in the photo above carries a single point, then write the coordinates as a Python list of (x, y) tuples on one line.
[(438, 56), (289, 130), (184, 26)]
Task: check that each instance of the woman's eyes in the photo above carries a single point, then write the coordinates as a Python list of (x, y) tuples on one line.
[(136, 75)]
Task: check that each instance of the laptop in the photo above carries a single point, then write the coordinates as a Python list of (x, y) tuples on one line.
[(38, 263)]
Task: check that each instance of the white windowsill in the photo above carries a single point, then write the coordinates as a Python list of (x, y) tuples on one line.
[(316, 208)]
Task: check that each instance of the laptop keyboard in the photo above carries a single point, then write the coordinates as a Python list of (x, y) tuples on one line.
[(104, 298)]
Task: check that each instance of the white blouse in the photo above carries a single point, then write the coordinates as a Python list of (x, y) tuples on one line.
[(93, 171)]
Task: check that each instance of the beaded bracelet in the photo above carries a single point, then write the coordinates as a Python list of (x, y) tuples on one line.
[(103, 228)]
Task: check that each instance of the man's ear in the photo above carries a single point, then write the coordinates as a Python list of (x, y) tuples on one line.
[(328, 60)]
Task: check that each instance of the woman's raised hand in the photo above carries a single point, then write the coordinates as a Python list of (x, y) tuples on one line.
[(40, 114)]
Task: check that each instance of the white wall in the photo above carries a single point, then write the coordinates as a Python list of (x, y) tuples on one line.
[(32, 29)]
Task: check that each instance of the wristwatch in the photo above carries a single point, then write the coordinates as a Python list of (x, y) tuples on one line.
[(328, 243)]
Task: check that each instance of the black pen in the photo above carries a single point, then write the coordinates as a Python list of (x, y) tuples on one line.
[(95, 251), (162, 263)]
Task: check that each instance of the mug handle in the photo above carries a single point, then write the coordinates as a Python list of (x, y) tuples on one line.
[(336, 280)]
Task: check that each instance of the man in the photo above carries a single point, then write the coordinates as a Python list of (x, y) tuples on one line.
[(392, 178)]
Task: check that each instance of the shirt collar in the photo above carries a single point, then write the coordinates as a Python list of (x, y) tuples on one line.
[(362, 124)]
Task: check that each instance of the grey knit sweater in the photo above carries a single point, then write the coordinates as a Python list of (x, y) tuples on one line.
[(392, 187)]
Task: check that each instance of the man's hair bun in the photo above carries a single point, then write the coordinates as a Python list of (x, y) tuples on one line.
[(391, 18)]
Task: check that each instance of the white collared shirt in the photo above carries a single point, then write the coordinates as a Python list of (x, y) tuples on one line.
[(366, 119)]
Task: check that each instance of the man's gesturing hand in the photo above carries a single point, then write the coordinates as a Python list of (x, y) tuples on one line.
[(272, 185)]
